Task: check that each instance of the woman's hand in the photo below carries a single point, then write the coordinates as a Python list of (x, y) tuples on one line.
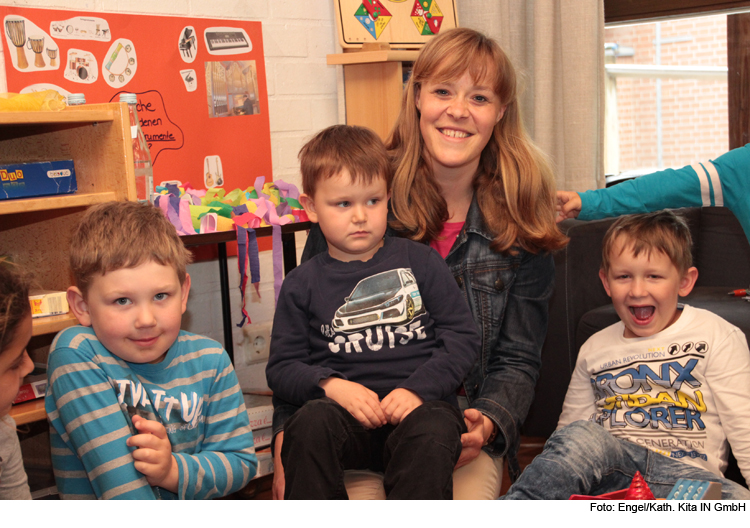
[(279, 483), (568, 205), (480, 428)]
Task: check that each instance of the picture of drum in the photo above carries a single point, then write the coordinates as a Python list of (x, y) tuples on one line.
[(52, 54), (36, 44), (16, 29)]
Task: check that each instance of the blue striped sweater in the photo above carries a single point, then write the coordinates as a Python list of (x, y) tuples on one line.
[(92, 396)]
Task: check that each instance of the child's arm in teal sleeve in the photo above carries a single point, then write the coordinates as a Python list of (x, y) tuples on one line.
[(83, 408), (227, 460)]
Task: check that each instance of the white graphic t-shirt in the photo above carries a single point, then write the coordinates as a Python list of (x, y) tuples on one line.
[(683, 392)]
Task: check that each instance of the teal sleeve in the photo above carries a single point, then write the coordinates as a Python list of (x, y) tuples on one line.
[(667, 189), (733, 169), (89, 431), (226, 460), (724, 181)]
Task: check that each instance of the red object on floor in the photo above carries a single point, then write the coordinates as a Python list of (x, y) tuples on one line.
[(612, 495), (638, 490)]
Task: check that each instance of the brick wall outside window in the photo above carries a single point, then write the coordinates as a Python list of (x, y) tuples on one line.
[(694, 112)]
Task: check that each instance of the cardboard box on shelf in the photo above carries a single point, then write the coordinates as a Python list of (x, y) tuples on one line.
[(34, 388), (262, 437), (265, 462), (259, 410), (45, 303), (42, 178)]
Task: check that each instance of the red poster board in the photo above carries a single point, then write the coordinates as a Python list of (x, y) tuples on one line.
[(201, 83)]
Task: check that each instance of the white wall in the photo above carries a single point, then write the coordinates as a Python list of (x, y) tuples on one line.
[(303, 98)]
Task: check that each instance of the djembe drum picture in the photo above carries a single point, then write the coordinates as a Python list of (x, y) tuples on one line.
[(52, 54), (16, 29), (36, 44)]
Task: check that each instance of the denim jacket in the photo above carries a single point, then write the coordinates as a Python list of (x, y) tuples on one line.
[(508, 297)]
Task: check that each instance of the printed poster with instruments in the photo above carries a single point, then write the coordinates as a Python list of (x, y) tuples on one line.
[(201, 83)]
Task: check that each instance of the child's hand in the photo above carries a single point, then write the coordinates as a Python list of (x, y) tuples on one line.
[(360, 401), (568, 205), (154, 457), (398, 404)]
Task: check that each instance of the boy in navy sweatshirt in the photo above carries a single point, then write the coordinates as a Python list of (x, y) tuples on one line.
[(370, 340)]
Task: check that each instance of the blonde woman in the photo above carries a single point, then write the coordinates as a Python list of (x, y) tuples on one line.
[(469, 182)]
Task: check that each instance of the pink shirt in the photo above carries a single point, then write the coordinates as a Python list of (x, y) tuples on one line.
[(447, 237)]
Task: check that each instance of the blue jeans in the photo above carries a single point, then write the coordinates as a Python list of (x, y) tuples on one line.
[(583, 458), (417, 457)]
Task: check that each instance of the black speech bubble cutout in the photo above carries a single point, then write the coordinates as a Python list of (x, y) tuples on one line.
[(160, 131)]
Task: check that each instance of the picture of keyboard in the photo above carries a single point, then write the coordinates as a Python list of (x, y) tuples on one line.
[(222, 40)]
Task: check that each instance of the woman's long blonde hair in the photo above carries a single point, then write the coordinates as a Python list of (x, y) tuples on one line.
[(514, 184)]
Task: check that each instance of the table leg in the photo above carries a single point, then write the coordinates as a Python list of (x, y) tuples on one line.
[(289, 249), (226, 308)]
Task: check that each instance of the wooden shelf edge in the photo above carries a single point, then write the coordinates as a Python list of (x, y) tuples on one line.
[(87, 114), (28, 412), (58, 201), (363, 57), (52, 324)]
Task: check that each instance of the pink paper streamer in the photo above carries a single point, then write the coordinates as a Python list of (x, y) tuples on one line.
[(288, 190), (258, 185), (248, 219), (275, 220), (185, 219)]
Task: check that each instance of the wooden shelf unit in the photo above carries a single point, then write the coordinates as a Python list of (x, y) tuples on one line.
[(36, 232), (53, 324), (373, 82), (28, 412)]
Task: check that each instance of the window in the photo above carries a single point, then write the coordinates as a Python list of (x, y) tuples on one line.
[(666, 100), (737, 16)]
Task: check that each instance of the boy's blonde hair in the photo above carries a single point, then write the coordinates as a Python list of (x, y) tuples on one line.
[(356, 149), (662, 231), (116, 235)]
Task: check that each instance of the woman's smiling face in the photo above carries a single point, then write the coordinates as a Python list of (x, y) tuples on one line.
[(457, 119)]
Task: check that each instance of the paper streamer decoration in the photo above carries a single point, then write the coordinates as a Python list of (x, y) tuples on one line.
[(193, 211)]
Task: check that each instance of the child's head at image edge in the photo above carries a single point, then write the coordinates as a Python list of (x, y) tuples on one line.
[(346, 180), (15, 333), (646, 267), (130, 269)]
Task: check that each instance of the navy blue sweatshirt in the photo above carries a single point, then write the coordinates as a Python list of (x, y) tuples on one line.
[(395, 321)]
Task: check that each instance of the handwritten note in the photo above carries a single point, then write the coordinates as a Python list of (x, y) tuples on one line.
[(161, 133)]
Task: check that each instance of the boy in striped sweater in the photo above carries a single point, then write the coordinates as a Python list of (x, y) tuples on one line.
[(138, 408)]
